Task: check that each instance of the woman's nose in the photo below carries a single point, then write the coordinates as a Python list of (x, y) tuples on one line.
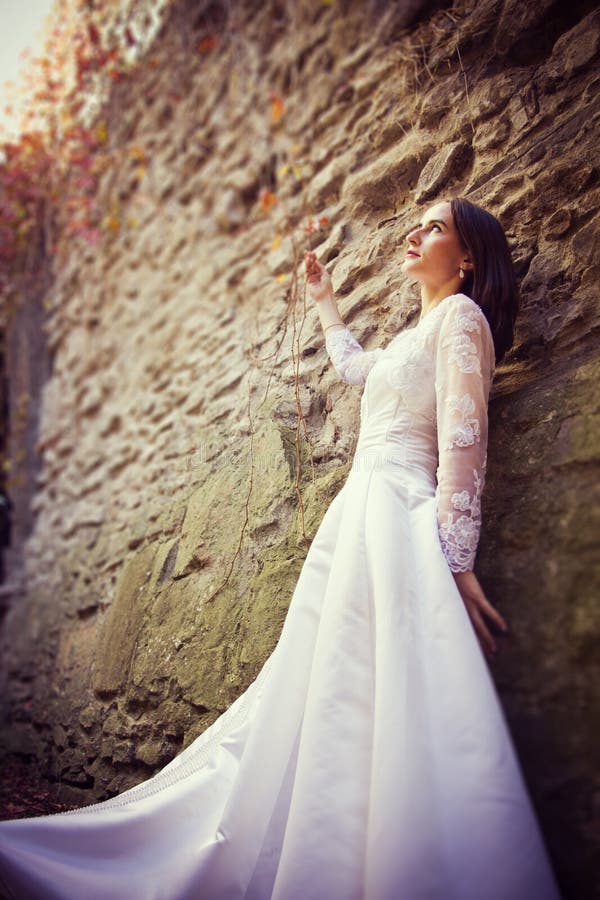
[(413, 236)]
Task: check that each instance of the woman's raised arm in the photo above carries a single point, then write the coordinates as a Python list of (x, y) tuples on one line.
[(349, 359)]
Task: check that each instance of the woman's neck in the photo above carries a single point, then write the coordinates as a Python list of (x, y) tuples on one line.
[(430, 296)]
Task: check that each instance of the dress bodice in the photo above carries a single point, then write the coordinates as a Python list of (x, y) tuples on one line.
[(425, 404)]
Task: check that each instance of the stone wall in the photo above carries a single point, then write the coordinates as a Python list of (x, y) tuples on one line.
[(191, 431)]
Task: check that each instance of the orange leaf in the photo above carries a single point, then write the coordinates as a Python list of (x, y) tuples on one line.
[(111, 223), (277, 107), (267, 199), (137, 152)]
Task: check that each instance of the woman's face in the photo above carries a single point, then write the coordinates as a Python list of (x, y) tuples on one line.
[(434, 254)]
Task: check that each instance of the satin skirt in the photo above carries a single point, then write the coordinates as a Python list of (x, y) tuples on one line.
[(369, 760)]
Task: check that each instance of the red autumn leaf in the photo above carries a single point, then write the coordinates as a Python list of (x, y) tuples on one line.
[(207, 43), (91, 235), (93, 34), (8, 212), (84, 63), (86, 182)]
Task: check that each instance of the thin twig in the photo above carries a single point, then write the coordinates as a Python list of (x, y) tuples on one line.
[(462, 69)]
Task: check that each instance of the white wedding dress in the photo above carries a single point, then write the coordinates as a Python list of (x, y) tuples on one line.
[(370, 759)]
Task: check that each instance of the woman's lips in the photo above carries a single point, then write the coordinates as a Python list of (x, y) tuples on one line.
[(411, 253)]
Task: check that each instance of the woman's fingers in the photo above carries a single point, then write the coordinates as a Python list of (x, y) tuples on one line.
[(486, 639), (485, 606), (477, 605), (493, 613), (313, 269), (317, 277), (315, 272)]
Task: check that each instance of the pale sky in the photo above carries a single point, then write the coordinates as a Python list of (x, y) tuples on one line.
[(21, 26)]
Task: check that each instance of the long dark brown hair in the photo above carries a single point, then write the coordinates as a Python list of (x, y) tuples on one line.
[(491, 283)]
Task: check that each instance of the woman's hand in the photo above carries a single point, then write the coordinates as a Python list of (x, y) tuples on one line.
[(477, 604), (318, 279)]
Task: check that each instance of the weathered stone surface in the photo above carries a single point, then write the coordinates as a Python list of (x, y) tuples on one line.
[(448, 164), (575, 49), (387, 181), (156, 381), (120, 634)]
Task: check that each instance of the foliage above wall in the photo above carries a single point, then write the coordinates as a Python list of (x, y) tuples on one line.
[(49, 175)]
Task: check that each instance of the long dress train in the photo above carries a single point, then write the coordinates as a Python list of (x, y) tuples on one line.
[(370, 759)]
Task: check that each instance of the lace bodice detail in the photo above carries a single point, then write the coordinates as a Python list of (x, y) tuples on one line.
[(427, 394)]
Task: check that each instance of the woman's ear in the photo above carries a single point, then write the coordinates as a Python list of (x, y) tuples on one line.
[(466, 264)]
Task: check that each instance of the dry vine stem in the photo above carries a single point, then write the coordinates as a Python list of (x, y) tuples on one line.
[(301, 425), (300, 420), (246, 506)]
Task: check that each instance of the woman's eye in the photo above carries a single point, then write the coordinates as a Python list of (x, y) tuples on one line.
[(435, 225)]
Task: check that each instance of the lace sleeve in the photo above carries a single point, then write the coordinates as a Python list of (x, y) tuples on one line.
[(464, 372), (348, 358)]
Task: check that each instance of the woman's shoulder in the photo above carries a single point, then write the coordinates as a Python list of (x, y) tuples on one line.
[(455, 313), (462, 303), (463, 322), (463, 313)]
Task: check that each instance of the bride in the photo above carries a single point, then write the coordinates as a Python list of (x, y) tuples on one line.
[(370, 759)]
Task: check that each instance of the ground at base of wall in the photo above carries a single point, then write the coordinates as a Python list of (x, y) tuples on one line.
[(24, 793)]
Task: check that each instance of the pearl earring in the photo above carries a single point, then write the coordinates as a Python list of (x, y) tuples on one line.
[(461, 273)]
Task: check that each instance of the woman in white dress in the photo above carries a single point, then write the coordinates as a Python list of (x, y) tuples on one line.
[(370, 759)]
